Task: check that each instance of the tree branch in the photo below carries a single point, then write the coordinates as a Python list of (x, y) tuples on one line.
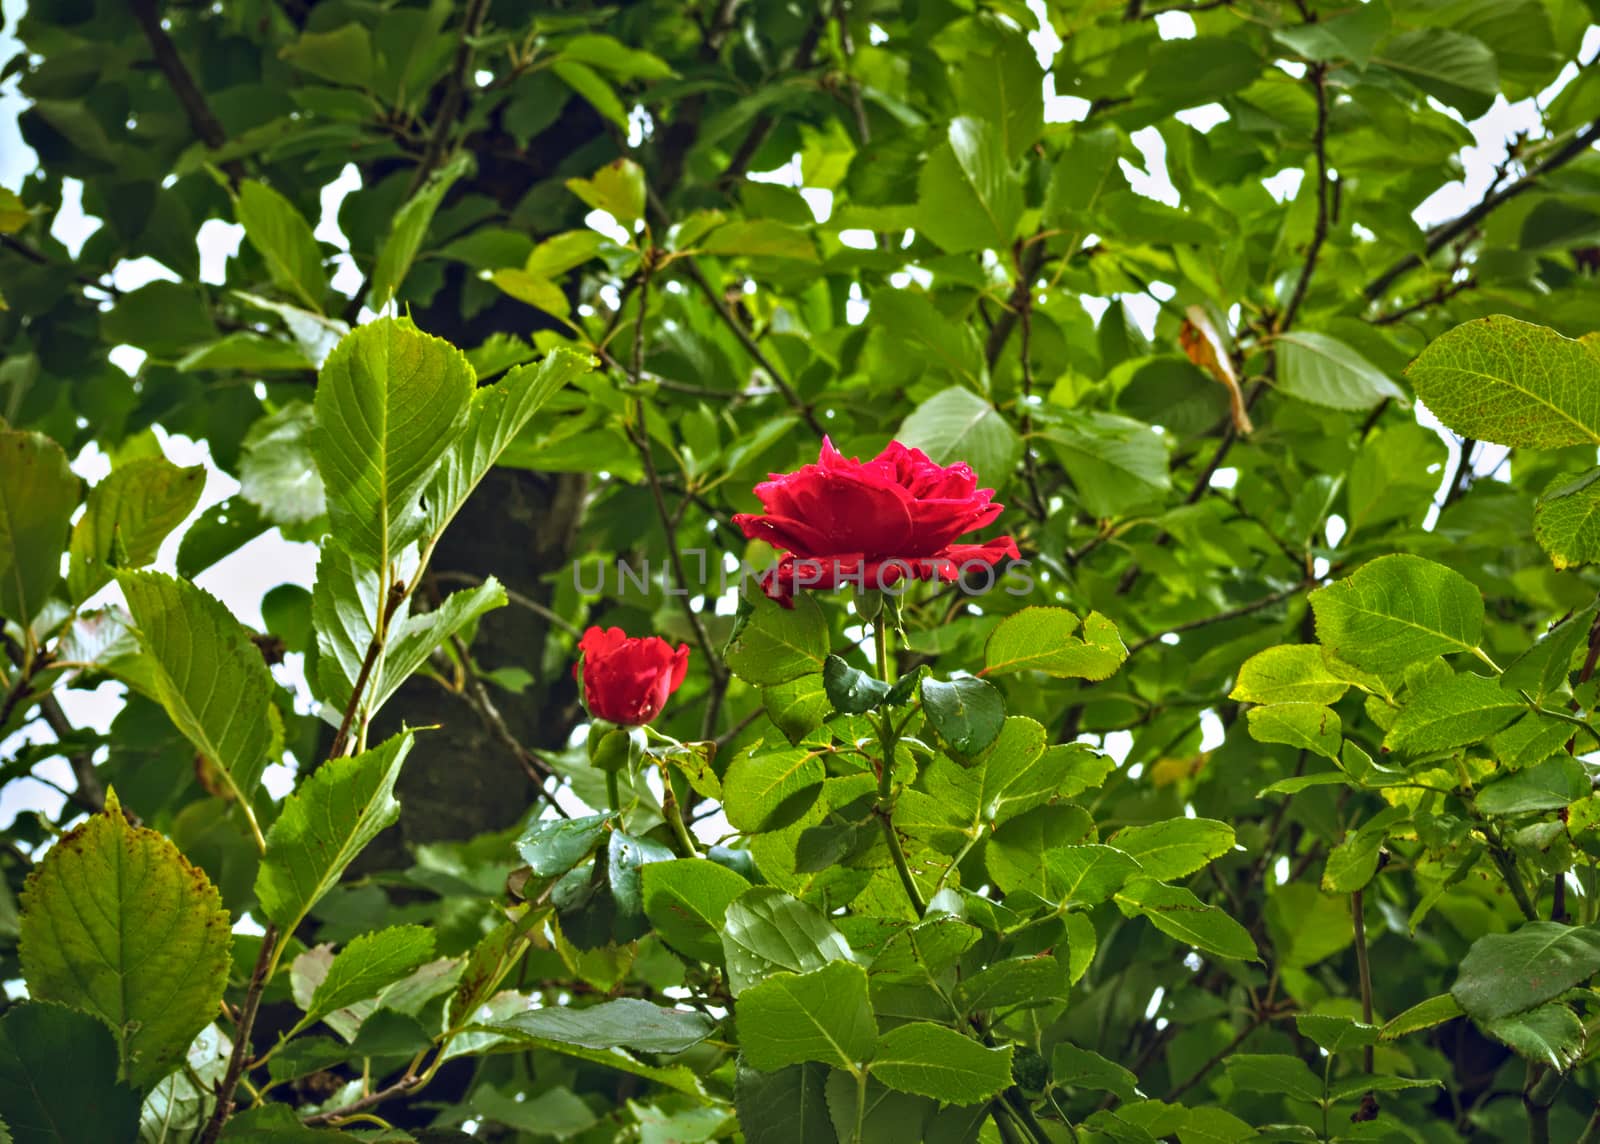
[(241, 1037), (454, 95), (1319, 234), (1443, 235), (206, 125)]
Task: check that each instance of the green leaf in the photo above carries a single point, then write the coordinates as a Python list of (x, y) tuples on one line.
[(274, 1124), (416, 637), (1552, 1034), (409, 228), (1180, 915), (1566, 521), (367, 964), (759, 238), (1020, 773), (1511, 382), (1453, 67), (277, 470), (390, 402), (1325, 371), (343, 806), (1551, 785), (967, 713), (1089, 874), (1001, 83), (968, 197), (1351, 35), (796, 707), (44, 1102), (1290, 673), (626, 1023), (1073, 1067), (1041, 639), (1115, 463), (244, 351), (1505, 973), (766, 931), (930, 1060), (1396, 611), (822, 1016), (618, 188), (1018, 854), (956, 424), (1336, 1034), (1307, 726), (783, 1107), (209, 676), (134, 508), (612, 55), (284, 240), (343, 55), (1012, 981), (1175, 848), (686, 901), (851, 690), (777, 644), (916, 323), (498, 413), (1423, 1015), (1274, 1073), (218, 532), (768, 790), (551, 847), (38, 494), (117, 923), (1352, 863), (1452, 712)]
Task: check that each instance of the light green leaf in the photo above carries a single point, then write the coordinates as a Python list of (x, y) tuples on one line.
[(600, 95), (1351, 35), (968, 196), (768, 790), (366, 965), (117, 923), (537, 291), (1042, 639), (1176, 847), (1453, 67), (1396, 611), (209, 676), (1290, 673), (1423, 1015), (1511, 382), (409, 228), (1001, 83), (284, 240), (1089, 874), (796, 707), (956, 424), (1452, 712), (686, 901), (626, 1023), (415, 638), (930, 1060), (822, 1016), (759, 238), (766, 931), (343, 806), (1336, 1034), (1325, 371), (390, 403), (43, 1102), (245, 351), (1505, 973), (129, 513), (1115, 463), (967, 713), (1566, 521), (498, 413), (341, 56), (618, 188), (1180, 915), (777, 644), (1018, 855), (1308, 726), (1551, 785), (1081, 1068), (914, 321), (38, 494), (277, 469)]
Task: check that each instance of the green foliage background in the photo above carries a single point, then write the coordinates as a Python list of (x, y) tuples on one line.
[(941, 912)]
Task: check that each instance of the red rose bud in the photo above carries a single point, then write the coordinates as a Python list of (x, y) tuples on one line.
[(626, 681), (844, 521)]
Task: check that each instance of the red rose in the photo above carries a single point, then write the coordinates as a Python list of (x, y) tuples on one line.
[(626, 681), (843, 521)]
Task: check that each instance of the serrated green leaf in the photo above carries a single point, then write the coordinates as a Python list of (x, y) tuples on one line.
[(626, 1023), (768, 790), (1505, 973), (777, 644), (136, 506), (783, 1107), (1457, 710), (1275, 1073), (1180, 915), (1175, 848), (767, 931), (38, 494), (1290, 673), (1551, 1034), (686, 901), (284, 240), (956, 424), (409, 227), (1396, 611), (850, 690), (1566, 521), (967, 713), (1325, 371), (930, 1060), (1041, 639), (117, 923), (822, 1016), (343, 806), (366, 965), (1307, 726), (1423, 1015)]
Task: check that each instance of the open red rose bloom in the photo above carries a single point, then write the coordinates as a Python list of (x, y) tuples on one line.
[(869, 523), (625, 680)]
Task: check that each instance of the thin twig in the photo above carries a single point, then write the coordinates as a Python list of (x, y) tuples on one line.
[(454, 95), (1222, 617), (241, 1037), (478, 698), (1319, 233), (514, 597)]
